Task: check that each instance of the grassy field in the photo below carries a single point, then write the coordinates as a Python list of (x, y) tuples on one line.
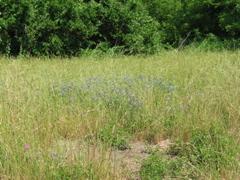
[(69, 118)]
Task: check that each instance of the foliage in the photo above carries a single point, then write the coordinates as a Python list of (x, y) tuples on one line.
[(168, 14), (153, 168), (208, 149), (202, 18), (158, 166), (73, 172), (212, 42), (47, 27), (116, 138), (67, 27), (195, 20), (229, 18), (70, 28)]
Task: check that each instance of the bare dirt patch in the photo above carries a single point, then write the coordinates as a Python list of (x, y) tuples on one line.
[(127, 161), (130, 159)]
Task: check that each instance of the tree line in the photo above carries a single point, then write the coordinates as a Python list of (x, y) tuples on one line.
[(69, 27)]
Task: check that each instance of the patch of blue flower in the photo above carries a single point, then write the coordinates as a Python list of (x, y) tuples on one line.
[(114, 92)]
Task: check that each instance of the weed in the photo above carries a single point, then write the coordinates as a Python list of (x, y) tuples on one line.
[(117, 138), (73, 172), (154, 168), (208, 148), (158, 166)]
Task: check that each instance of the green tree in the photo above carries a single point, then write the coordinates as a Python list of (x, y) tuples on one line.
[(229, 18)]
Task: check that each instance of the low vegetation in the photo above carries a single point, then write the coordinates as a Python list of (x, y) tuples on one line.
[(69, 118)]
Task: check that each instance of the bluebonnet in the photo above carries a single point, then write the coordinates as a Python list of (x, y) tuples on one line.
[(54, 155), (115, 92)]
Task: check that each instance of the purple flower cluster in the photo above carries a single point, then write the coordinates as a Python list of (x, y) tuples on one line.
[(114, 92)]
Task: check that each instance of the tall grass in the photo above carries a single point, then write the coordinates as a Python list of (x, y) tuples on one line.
[(60, 118)]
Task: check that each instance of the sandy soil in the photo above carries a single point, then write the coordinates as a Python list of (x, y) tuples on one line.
[(131, 159)]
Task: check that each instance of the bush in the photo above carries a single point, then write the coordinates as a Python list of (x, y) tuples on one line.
[(72, 28), (118, 138), (209, 149), (47, 27), (154, 167), (67, 27)]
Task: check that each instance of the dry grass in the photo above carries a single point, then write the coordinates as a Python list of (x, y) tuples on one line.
[(33, 112)]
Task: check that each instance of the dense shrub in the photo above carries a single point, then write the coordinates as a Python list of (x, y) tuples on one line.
[(70, 27), (47, 27), (66, 27), (194, 20)]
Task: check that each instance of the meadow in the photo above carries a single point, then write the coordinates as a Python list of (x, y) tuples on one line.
[(70, 118)]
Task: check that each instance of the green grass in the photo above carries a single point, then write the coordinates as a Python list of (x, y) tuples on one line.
[(61, 118)]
